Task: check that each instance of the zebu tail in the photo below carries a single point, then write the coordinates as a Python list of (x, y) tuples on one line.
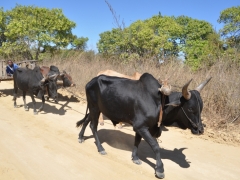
[(80, 123)]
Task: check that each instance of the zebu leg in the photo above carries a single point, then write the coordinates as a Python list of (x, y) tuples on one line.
[(135, 157), (144, 132), (15, 98), (34, 104), (15, 91), (84, 125), (43, 103), (101, 121), (94, 115), (24, 101)]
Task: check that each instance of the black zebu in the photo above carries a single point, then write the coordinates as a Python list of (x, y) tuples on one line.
[(185, 108), (63, 80), (34, 82), (136, 102)]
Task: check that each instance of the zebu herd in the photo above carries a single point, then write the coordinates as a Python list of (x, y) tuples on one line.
[(141, 101)]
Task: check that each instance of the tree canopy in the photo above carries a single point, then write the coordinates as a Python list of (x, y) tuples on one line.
[(29, 29), (161, 37), (230, 17)]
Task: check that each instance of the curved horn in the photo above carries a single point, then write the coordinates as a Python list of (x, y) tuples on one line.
[(43, 80), (59, 82), (201, 86), (186, 94), (56, 76), (52, 76)]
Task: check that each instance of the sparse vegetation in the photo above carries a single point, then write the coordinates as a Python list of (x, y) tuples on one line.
[(221, 96), (139, 47)]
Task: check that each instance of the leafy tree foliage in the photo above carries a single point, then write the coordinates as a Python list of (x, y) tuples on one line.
[(30, 29), (194, 40), (161, 37), (2, 26), (230, 17), (79, 43)]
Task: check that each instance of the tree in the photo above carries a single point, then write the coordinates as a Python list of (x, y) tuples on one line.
[(31, 28), (153, 37), (231, 30), (2, 26), (79, 43), (162, 37), (194, 40)]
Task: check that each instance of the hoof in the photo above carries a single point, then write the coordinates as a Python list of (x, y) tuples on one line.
[(56, 102), (120, 127), (35, 113), (160, 175), (138, 162), (103, 152), (26, 109), (15, 106), (80, 140)]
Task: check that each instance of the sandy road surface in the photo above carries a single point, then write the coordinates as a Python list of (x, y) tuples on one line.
[(45, 146)]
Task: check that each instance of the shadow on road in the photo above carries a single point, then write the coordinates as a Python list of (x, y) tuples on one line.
[(123, 141)]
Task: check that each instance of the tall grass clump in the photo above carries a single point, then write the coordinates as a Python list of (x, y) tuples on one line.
[(221, 96)]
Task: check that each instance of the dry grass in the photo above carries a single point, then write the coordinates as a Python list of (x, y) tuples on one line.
[(221, 96)]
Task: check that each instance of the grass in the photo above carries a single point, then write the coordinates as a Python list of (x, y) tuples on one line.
[(221, 96)]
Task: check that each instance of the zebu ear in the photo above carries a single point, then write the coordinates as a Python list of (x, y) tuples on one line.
[(174, 103)]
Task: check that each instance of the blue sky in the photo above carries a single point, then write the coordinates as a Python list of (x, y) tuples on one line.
[(94, 17)]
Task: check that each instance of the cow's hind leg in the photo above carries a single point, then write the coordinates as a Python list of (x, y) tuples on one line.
[(24, 101), (144, 132), (94, 115), (84, 125), (135, 157)]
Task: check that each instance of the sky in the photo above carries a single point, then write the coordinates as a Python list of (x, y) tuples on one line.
[(94, 17)]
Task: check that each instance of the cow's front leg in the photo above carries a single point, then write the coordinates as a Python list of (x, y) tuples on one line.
[(43, 103), (34, 104), (144, 132), (15, 91), (135, 157)]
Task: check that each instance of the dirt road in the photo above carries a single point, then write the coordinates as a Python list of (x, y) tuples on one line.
[(45, 146)]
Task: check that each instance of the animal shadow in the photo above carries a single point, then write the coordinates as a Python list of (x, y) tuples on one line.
[(123, 141), (50, 108), (66, 98), (6, 92)]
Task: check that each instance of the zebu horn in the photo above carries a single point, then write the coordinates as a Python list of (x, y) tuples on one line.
[(43, 80), (166, 88), (186, 94), (59, 82), (201, 86), (52, 76)]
